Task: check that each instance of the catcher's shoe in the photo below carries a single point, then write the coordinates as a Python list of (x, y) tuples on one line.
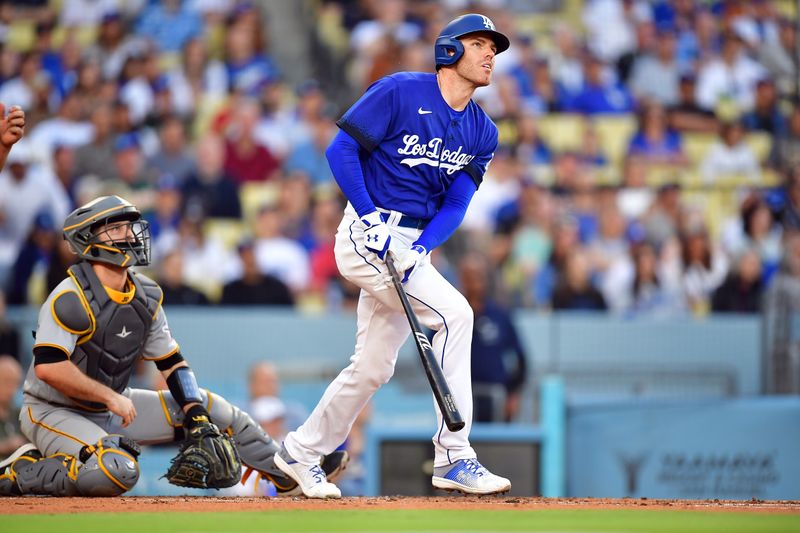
[(27, 453), (311, 478), (470, 477)]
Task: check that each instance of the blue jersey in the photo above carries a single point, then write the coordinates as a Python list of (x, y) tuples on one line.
[(414, 144)]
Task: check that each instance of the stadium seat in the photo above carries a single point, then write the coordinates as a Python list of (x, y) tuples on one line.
[(227, 230), (21, 35), (253, 195), (696, 145), (561, 131), (761, 144), (614, 133)]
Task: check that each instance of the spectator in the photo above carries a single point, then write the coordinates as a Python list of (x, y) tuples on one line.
[(531, 149), (210, 189), (207, 263), (173, 157), (309, 156), (265, 403), (34, 252), (643, 284), (254, 287), (169, 25), (294, 204), (743, 288), (731, 77), (778, 57), (730, 156), (789, 211), (499, 367), (655, 76), (97, 156), (247, 66), (553, 271), (170, 278), (66, 128), (786, 149), (278, 255), (165, 217), (686, 115), (26, 190), (113, 46), (28, 88), (704, 268), (500, 186), (754, 230), (196, 79), (600, 94), (11, 437), (635, 197), (9, 336), (766, 115), (86, 12), (245, 160), (575, 290), (655, 141)]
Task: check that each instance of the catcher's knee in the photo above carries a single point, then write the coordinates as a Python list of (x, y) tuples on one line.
[(110, 467)]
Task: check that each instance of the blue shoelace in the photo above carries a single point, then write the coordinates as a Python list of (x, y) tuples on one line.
[(474, 466)]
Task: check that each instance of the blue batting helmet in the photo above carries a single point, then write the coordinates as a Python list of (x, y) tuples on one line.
[(448, 39)]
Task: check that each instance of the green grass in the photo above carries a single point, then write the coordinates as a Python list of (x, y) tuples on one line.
[(546, 520)]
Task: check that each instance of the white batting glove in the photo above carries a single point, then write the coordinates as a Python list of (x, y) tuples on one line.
[(376, 234), (407, 261)]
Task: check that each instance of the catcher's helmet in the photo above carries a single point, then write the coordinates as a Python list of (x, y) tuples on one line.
[(81, 231), (448, 39)]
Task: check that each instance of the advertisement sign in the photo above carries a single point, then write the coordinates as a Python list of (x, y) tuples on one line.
[(726, 449)]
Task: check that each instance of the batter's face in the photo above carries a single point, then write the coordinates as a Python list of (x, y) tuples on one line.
[(477, 63)]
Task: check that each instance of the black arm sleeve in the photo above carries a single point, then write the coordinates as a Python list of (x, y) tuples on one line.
[(48, 354), (169, 362)]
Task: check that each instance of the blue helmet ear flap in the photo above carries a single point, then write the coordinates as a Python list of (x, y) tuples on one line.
[(443, 46)]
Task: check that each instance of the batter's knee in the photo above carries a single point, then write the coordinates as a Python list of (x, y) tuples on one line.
[(461, 315), (110, 467)]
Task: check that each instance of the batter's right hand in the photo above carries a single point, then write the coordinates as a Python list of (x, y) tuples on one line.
[(122, 406), (376, 234)]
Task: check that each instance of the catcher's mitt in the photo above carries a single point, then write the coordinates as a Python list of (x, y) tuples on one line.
[(207, 459)]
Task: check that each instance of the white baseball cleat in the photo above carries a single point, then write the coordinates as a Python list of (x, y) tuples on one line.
[(470, 477), (311, 478)]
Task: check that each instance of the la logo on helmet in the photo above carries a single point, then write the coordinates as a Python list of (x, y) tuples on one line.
[(487, 23)]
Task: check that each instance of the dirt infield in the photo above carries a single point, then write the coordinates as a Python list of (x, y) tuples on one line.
[(192, 504)]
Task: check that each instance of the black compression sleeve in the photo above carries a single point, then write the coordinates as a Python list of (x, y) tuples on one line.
[(169, 362), (48, 354)]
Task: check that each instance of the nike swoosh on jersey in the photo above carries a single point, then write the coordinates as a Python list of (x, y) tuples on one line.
[(423, 112)]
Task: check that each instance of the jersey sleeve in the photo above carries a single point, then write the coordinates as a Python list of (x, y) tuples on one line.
[(485, 152), (368, 120), (160, 343), (52, 332)]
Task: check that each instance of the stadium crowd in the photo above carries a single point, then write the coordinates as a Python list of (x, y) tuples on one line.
[(648, 159)]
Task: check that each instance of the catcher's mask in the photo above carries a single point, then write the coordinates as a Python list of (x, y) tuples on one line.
[(109, 230)]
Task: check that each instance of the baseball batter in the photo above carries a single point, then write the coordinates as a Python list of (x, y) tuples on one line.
[(84, 421), (409, 156)]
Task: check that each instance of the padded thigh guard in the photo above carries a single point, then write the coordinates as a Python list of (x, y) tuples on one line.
[(256, 448), (112, 468)]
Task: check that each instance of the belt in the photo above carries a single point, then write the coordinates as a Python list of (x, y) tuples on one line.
[(404, 221)]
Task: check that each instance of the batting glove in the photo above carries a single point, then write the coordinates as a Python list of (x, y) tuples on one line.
[(408, 260), (376, 234)]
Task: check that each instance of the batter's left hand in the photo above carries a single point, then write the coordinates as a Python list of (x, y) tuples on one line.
[(408, 260), (12, 126)]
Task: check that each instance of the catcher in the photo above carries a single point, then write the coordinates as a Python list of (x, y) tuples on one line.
[(85, 423)]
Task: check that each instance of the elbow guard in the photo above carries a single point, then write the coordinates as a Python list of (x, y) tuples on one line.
[(183, 386)]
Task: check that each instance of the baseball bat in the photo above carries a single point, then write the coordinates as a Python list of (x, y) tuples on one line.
[(441, 390)]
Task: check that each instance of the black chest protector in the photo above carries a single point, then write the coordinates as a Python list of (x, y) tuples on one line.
[(109, 352)]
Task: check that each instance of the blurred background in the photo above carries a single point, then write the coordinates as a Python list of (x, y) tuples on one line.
[(633, 254)]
